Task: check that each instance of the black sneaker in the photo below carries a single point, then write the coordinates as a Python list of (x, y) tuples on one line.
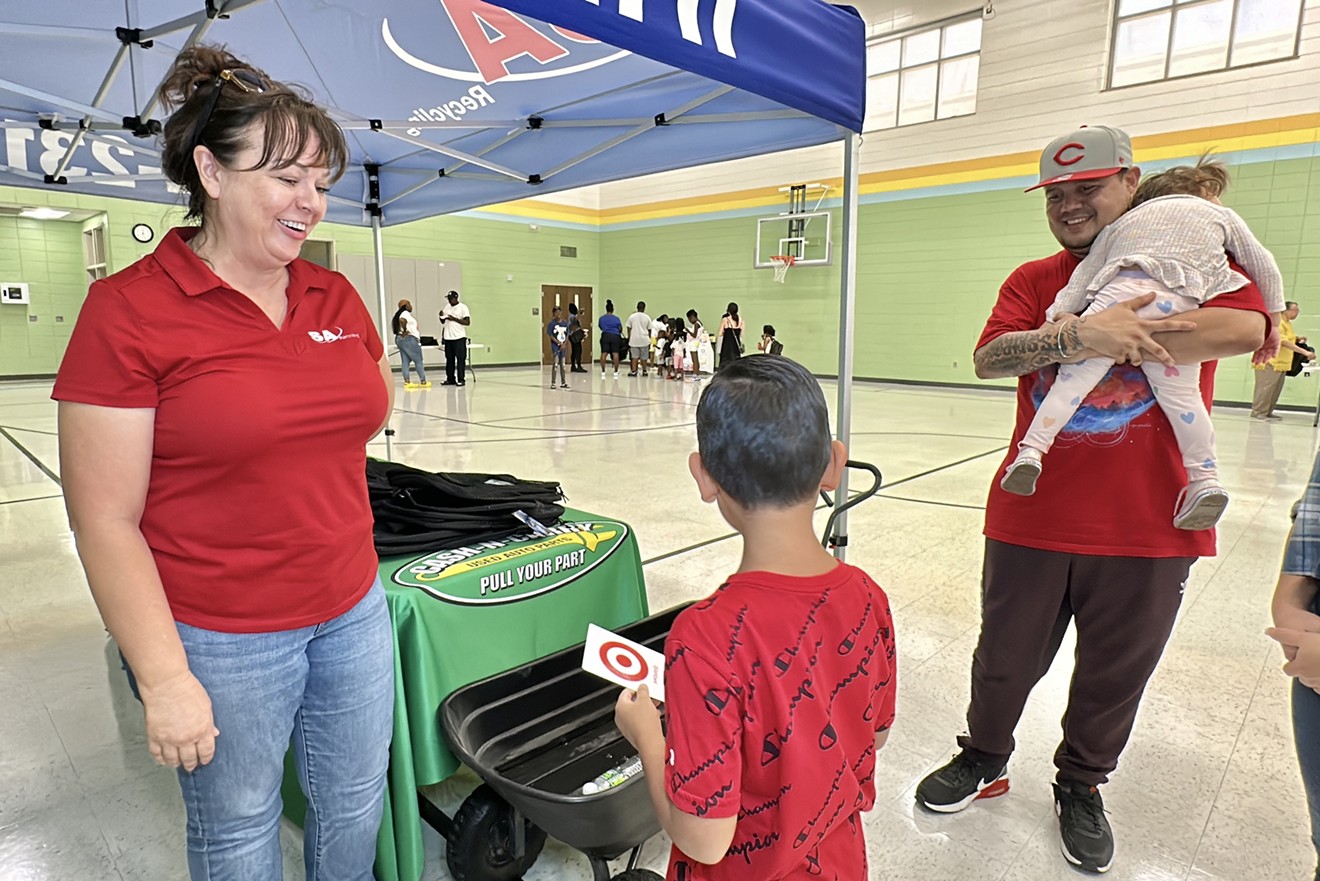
[(962, 781), (1084, 834)]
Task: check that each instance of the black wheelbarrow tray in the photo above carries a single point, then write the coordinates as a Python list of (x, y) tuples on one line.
[(535, 734)]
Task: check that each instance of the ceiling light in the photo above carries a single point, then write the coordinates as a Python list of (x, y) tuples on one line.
[(42, 213)]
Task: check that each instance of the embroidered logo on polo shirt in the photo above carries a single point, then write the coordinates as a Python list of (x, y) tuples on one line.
[(330, 336)]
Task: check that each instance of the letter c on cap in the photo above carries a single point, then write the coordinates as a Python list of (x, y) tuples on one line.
[(1072, 145)]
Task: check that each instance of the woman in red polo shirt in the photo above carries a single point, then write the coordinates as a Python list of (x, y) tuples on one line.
[(215, 404)]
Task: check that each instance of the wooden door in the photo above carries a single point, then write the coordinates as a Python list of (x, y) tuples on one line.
[(553, 295)]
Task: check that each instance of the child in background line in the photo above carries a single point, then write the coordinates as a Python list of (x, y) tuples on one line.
[(557, 330), (1172, 242), (768, 343), (678, 335), (700, 353), (779, 686), (664, 355), (659, 329)]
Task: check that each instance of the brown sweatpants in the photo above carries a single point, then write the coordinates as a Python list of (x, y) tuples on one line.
[(1124, 608)]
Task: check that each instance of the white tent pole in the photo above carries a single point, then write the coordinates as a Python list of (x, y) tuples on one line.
[(381, 312), (847, 310)]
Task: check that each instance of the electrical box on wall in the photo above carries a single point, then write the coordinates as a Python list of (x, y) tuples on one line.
[(14, 292)]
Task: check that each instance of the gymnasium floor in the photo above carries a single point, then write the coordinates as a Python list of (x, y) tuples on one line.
[(1207, 789)]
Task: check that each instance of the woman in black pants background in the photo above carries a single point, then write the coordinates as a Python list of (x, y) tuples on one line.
[(576, 333)]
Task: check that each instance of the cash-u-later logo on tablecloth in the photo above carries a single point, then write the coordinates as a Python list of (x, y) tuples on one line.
[(516, 568)]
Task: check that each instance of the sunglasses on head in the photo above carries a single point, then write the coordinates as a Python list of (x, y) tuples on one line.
[(247, 80)]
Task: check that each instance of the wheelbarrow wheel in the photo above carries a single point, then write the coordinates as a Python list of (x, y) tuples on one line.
[(639, 875), (479, 846)]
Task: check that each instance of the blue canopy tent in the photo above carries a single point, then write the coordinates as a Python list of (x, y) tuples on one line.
[(451, 104)]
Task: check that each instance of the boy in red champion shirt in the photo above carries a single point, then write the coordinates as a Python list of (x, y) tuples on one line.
[(779, 686)]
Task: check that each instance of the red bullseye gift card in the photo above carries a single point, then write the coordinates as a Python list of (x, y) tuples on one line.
[(623, 661)]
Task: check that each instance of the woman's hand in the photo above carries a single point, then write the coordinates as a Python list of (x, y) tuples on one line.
[(181, 731)]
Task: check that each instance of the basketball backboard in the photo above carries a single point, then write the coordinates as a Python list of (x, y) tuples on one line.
[(805, 236)]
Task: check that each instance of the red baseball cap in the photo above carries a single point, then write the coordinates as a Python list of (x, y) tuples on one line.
[(1084, 154)]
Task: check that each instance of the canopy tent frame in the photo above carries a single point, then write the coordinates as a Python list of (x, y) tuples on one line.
[(91, 123)]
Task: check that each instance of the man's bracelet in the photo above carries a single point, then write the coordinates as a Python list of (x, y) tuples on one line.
[(1063, 353)]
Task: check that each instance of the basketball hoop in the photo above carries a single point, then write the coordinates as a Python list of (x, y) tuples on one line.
[(783, 263)]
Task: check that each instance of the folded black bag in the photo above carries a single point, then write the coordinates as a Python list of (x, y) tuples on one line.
[(1299, 360), (419, 510)]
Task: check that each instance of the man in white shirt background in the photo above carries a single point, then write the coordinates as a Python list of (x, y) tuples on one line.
[(454, 321), (638, 332)]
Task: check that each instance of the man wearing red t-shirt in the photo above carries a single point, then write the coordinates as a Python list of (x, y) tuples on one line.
[(1095, 543), (780, 686)]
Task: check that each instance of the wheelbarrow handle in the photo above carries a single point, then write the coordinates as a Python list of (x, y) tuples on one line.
[(876, 480)]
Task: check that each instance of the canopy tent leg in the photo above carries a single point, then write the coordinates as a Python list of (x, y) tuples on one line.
[(381, 312), (847, 309)]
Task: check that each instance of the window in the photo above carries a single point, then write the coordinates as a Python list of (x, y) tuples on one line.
[(923, 75), (1161, 39)]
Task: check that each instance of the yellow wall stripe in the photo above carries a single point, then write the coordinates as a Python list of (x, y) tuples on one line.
[(1237, 137)]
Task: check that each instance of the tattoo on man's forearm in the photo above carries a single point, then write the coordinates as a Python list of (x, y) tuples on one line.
[(1014, 354)]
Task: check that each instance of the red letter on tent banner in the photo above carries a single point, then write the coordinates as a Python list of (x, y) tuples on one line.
[(474, 20), (572, 35)]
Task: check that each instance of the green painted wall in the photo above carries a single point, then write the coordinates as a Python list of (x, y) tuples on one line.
[(928, 273), (49, 258), (490, 251), (48, 255)]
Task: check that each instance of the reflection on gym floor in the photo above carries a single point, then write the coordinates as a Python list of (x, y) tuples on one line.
[(1207, 789)]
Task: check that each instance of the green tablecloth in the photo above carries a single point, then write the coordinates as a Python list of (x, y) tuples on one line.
[(465, 614)]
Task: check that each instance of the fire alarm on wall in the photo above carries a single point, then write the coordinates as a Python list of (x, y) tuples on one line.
[(13, 292)]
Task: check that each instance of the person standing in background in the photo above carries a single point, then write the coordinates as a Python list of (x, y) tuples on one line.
[(638, 331), (1270, 375), (677, 349), (454, 322), (557, 330), (659, 331), (576, 334), (731, 328), (700, 350), (410, 345), (611, 338)]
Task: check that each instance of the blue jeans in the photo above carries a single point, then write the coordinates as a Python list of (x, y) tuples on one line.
[(410, 350), (329, 688), (1306, 731)]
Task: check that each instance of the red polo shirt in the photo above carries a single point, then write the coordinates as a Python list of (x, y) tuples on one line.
[(256, 510)]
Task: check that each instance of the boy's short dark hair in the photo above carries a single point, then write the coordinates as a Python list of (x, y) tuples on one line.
[(763, 431), (768, 330)]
